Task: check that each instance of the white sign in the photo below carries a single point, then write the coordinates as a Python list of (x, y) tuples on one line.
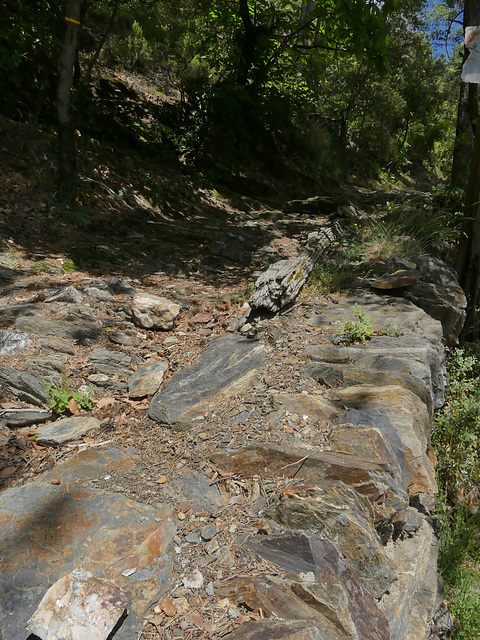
[(471, 66)]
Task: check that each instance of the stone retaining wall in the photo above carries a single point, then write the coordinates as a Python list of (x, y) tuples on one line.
[(355, 519)]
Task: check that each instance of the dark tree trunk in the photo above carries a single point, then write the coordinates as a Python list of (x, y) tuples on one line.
[(467, 111), (468, 256), (464, 135), (249, 43), (67, 163)]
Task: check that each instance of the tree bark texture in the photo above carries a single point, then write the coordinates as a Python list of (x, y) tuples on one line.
[(67, 165), (280, 284), (468, 256), (467, 112)]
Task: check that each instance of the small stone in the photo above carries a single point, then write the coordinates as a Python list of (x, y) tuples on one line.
[(193, 619), (193, 579), (65, 430), (167, 606), (226, 559), (68, 294), (12, 342), (128, 572), (210, 590), (154, 312), (212, 546), (128, 338), (202, 318), (99, 294), (209, 532), (193, 538), (147, 379)]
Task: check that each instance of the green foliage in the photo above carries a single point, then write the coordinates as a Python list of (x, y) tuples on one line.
[(29, 44), (68, 266), (411, 227), (59, 397), (456, 438), (465, 601), (43, 267), (357, 330), (132, 51), (327, 278), (242, 296)]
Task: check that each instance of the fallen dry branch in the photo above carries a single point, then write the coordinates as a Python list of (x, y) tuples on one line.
[(280, 284)]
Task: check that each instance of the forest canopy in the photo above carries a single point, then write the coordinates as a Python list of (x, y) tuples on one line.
[(324, 83)]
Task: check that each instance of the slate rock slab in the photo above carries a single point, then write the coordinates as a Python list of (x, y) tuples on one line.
[(377, 480), (437, 292), (392, 355), (111, 362), (67, 294), (92, 464), (43, 327), (412, 600), (78, 605), (50, 369), (333, 375), (275, 629), (315, 407), (386, 314), (46, 531), (25, 386), (337, 512), (147, 379), (227, 367), (195, 489), (15, 418), (65, 430), (336, 586), (11, 311), (411, 425), (12, 342), (283, 600), (357, 434)]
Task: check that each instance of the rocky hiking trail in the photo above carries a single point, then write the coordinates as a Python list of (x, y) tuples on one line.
[(239, 475)]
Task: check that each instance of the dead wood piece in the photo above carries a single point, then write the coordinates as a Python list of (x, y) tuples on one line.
[(280, 284)]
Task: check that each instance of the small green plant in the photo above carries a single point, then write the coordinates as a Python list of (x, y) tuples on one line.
[(357, 330), (390, 329), (243, 296), (43, 267), (59, 398), (68, 266)]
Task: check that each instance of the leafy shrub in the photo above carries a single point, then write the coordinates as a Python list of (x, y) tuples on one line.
[(59, 398), (356, 330), (134, 50)]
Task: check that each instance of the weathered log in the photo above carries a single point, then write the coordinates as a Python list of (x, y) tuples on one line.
[(280, 284)]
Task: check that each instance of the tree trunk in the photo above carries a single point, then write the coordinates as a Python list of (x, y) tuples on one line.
[(468, 256), (464, 135), (467, 112), (67, 163)]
